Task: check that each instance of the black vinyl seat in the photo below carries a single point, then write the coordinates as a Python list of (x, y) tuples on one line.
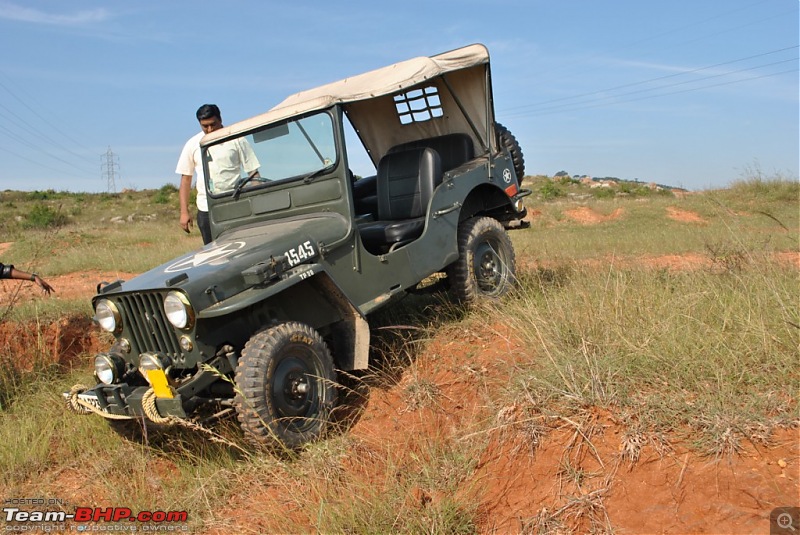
[(454, 149), (405, 184)]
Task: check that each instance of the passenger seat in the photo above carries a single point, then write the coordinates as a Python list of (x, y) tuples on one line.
[(405, 185)]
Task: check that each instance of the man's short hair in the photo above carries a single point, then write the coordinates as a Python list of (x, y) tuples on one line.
[(207, 111)]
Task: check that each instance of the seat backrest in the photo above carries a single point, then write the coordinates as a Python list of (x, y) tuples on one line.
[(453, 149), (406, 180)]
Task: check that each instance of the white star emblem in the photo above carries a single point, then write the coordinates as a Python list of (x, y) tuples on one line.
[(215, 255)]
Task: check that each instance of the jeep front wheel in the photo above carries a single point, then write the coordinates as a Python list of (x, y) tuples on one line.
[(286, 386), (485, 265)]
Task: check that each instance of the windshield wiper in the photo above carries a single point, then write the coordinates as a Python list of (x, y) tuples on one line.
[(307, 179), (242, 182)]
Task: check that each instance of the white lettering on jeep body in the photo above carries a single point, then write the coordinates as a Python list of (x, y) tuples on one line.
[(300, 253)]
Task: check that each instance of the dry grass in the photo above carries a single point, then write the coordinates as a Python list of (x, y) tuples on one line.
[(706, 357)]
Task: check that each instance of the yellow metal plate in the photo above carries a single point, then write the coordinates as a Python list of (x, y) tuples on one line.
[(158, 380)]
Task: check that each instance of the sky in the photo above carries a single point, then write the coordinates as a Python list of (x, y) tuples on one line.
[(689, 93)]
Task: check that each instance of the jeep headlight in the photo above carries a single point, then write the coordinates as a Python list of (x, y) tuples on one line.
[(151, 361), (106, 314), (178, 310), (108, 368)]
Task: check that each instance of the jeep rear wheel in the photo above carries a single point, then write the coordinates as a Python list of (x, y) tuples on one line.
[(507, 140), (286, 386), (486, 263)]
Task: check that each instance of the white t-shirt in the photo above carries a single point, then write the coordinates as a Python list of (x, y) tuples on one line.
[(225, 165), (226, 161), (190, 163)]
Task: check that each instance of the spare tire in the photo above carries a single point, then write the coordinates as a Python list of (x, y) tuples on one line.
[(507, 141)]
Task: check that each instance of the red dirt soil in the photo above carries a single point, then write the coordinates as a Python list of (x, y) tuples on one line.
[(63, 341), (684, 216), (587, 216), (518, 483), (81, 285)]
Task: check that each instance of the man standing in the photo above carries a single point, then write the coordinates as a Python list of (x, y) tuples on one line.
[(191, 162)]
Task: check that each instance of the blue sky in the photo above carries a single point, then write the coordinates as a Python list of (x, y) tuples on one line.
[(691, 93)]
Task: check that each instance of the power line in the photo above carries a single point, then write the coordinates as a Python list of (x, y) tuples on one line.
[(30, 129), (42, 118), (632, 84), (40, 164), (37, 135), (667, 32), (15, 136), (590, 105)]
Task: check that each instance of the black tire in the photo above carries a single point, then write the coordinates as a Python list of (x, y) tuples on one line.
[(507, 140), (286, 386), (486, 261)]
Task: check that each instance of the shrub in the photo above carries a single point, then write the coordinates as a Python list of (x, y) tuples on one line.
[(42, 216), (164, 194), (603, 193), (550, 190)]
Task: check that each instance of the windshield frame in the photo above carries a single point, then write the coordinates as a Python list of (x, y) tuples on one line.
[(259, 183)]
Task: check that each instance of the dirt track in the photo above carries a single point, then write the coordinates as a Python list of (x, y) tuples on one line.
[(518, 482)]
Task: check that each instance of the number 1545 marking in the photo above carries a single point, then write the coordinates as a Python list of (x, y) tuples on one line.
[(298, 254)]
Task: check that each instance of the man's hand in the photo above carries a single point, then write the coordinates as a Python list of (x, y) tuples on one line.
[(186, 222), (42, 283)]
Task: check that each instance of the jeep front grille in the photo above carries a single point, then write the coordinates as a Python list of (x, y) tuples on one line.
[(149, 328)]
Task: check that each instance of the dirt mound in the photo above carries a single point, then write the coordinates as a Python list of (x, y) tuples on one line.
[(62, 342), (554, 475), (532, 214), (587, 216), (563, 472), (684, 216), (578, 480)]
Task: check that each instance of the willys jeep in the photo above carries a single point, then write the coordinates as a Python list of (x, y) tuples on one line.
[(262, 319)]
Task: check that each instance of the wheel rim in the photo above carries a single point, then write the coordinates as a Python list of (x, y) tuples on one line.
[(490, 267), (295, 389)]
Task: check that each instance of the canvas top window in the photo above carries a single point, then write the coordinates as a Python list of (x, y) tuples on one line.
[(418, 105)]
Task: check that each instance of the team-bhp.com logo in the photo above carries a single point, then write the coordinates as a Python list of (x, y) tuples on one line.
[(27, 521)]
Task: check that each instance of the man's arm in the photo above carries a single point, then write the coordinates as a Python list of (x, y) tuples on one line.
[(184, 193), (248, 158), (8, 271)]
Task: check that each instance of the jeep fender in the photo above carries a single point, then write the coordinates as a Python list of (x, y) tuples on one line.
[(484, 199), (310, 296)]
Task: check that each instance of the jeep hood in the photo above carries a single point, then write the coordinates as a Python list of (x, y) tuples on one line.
[(214, 273)]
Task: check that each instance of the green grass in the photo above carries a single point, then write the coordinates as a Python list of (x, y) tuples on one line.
[(128, 232), (695, 354), (766, 220), (705, 356)]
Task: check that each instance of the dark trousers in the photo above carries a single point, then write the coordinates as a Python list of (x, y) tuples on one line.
[(204, 224)]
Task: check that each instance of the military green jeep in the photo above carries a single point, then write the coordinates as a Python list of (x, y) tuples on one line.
[(262, 319)]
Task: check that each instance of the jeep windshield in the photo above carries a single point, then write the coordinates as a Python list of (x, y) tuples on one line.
[(300, 148)]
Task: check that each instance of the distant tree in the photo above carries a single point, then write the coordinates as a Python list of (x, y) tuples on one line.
[(560, 174)]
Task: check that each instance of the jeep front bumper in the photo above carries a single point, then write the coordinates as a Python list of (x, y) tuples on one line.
[(125, 400)]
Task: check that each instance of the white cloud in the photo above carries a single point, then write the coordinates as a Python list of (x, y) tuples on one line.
[(12, 11)]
